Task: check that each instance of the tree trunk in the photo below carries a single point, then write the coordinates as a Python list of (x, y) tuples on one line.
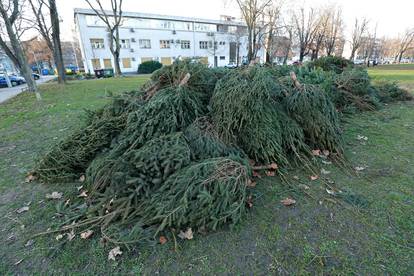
[(57, 47), (400, 55), (269, 46), (329, 51), (117, 66), (20, 58), (352, 54), (301, 54)]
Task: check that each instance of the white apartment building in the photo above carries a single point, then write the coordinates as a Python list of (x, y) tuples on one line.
[(164, 38)]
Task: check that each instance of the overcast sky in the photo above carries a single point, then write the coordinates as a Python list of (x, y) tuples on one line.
[(392, 16)]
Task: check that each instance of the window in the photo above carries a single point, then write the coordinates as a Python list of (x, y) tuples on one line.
[(167, 25), (124, 43), (185, 44), (96, 63), (107, 63), (166, 60), (222, 58), (144, 59), (210, 44), (97, 43), (165, 44), (203, 44), (126, 62), (145, 44), (205, 27), (222, 43)]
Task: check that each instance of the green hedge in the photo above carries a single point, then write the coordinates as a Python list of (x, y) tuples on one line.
[(148, 67)]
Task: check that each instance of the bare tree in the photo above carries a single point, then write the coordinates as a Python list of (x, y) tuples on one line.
[(237, 39), (371, 47), (334, 30), (253, 13), (272, 16), (320, 34), (288, 47), (358, 33), (11, 11), (305, 27), (49, 29), (406, 42), (112, 21)]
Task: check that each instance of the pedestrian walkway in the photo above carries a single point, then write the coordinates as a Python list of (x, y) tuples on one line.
[(8, 93)]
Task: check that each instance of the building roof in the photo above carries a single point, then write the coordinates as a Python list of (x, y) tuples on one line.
[(164, 17)]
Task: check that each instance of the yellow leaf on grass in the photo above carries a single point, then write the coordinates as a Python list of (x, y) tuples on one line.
[(314, 177), (187, 235), (114, 252), (163, 240), (54, 195), (288, 201), (86, 235)]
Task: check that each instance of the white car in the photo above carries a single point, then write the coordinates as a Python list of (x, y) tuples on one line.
[(231, 65)]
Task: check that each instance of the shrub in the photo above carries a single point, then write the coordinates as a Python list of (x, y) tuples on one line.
[(390, 91), (148, 67), (331, 63)]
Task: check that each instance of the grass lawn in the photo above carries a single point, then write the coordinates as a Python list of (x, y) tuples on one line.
[(368, 231), (403, 73)]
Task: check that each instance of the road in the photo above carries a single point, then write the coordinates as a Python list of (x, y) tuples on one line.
[(8, 93)]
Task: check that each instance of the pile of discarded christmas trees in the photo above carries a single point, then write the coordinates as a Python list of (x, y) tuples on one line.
[(179, 152)]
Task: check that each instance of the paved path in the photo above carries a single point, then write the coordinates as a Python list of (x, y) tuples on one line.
[(8, 93)]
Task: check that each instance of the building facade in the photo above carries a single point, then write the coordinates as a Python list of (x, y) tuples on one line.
[(6, 64), (163, 38)]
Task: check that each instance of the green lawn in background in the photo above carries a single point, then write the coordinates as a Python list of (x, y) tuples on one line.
[(403, 73), (368, 231)]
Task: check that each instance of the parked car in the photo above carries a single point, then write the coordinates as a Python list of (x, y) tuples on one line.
[(35, 76), (359, 62), (15, 80), (231, 65)]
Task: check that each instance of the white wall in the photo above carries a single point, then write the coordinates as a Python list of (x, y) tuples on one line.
[(155, 35)]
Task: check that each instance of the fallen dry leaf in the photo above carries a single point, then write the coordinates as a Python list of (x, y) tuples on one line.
[(303, 186), (79, 188), (296, 177), (326, 162), (358, 169), (314, 177), (30, 177), (114, 252), (187, 235), (83, 194), (54, 195), (288, 201), (59, 237), (256, 174), (325, 152), (361, 137), (273, 166), (18, 262), (82, 178), (249, 201), (251, 183), (270, 173), (316, 152), (86, 235), (163, 240), (23, 209)]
